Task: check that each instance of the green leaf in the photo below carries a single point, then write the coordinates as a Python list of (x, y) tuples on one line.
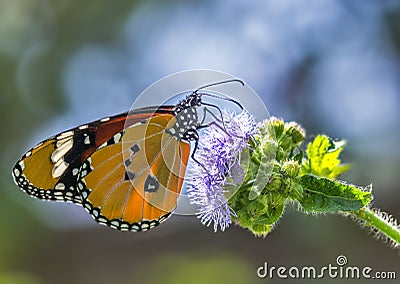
[(325, 195), (323, 158)]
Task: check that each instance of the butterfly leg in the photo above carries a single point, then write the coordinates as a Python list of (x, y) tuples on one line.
[(206, 110), (196, 142), (219, 126), (223, 128), (191, 135)]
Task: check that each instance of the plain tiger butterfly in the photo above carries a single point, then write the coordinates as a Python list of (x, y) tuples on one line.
[(126, 170)]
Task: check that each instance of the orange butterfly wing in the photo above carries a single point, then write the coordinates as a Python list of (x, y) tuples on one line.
[(56, 168), (135, 183)]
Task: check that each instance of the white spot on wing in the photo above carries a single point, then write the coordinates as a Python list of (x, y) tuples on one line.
[(61, 150), (124, 227), (60, 186), (115, 223), (103, 145), (16, 172), (102, 220), (117, 137), (22, 165), (59, 168), (65, 135), (105, 119), (83, 127)]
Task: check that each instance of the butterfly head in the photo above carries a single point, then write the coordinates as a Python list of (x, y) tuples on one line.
[(192, 101), (186, 112)]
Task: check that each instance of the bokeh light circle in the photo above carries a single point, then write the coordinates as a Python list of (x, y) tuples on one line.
[(175, 87)]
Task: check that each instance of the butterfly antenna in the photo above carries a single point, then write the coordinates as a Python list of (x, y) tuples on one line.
[(219, 97), (219, 83), (225, 99)]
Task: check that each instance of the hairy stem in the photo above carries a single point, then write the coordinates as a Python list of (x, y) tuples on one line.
[(381, 224)]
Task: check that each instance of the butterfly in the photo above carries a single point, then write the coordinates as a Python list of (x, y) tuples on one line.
[(126, 170)]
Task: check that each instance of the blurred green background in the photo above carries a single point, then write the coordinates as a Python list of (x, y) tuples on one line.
[(333, 66)]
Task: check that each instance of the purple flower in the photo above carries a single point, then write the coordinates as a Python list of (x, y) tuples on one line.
[(218, 155)]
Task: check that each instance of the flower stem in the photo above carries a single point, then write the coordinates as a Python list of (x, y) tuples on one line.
[(383, 225)]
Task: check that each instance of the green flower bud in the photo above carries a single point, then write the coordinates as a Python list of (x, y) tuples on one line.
[(286, 143), (295, 131), (281, 154), (296, 191), (291, 169), (257, 208), (276, 199), (260, 230), (274, 183), (270, 177), (275, 127)]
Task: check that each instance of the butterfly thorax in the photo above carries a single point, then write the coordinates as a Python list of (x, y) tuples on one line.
[(186, 119)]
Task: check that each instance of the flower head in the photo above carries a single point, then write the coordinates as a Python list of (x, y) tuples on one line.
[(218, 157)]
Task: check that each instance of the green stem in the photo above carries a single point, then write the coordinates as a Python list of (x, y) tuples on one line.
[(380, 222)]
